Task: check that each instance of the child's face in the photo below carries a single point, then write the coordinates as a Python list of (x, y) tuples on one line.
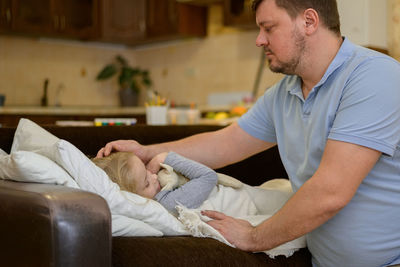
[(147, 184)]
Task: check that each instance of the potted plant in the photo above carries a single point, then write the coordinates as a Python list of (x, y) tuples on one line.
[(130, 80)]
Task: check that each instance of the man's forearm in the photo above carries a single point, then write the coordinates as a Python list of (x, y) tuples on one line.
[(305, 211), (214, 149), (199, 147)]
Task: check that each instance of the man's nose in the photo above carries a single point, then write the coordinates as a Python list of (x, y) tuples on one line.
[(261, 40)]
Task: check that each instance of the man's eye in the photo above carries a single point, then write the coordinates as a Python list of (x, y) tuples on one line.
[(268, 28)]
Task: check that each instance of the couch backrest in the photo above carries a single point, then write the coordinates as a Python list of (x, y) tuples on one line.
[(254, 170)]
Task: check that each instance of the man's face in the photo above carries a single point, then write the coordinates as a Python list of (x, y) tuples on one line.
[(283, 42)]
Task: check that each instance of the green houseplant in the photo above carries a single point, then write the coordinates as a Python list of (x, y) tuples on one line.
[(130, 80)]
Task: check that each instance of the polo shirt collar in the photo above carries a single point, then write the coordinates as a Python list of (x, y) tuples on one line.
[(345, 51)]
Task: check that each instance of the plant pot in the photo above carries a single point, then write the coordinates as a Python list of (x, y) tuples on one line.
[(128, 97)]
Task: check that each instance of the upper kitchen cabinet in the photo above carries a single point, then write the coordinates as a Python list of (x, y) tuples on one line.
[(119, 21), (77, 18), (5, 15), (123, 21), (143, 21), (33, 16), (238, 13), (167, 18), (72, 18)]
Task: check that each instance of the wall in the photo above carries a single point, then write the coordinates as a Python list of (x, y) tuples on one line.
[(364, 21), (394, 28), (185, 71)]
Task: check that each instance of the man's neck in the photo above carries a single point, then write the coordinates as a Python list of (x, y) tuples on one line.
[(319, 55)]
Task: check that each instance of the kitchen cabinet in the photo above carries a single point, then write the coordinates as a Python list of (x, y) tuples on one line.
[(77, 18), (143, 21), (73, 18), (167, 18), (238, 13), (5, 15), (119, 21), (123, 21), (162, 18), (31, 16)]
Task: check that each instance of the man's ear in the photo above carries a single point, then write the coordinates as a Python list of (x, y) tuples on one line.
[(311, 21)]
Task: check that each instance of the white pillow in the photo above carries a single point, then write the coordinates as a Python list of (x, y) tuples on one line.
[(26, 166), (3, 153), (91, 178), (125, 226), (144, 217), (31, 137)]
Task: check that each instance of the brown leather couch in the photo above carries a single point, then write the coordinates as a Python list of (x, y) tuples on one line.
[(50, 225)]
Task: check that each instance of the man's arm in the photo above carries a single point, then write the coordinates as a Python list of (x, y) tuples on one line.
[(213, 149), (341, 171)]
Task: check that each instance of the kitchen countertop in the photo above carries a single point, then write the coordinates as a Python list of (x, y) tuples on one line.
[(88, 110), (35, 110)]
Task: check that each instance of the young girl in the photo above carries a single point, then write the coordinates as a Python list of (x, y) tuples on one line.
[(130, 173)]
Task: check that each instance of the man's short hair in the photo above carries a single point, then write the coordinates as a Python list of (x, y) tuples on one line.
[(327, 10)]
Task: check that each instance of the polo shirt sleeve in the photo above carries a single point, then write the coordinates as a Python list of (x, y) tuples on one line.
[(369, 111), (258, 120)]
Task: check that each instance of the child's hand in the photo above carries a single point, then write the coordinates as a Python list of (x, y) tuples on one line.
[(154, 164)]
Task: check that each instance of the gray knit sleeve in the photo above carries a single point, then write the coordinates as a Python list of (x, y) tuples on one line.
[(193, 193)]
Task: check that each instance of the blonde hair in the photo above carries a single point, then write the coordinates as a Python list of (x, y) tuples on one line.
[(116, 167)]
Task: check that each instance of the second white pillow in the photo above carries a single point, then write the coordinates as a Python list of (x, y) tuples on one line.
[(26, 166)]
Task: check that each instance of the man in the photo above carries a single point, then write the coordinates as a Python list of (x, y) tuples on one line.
[(336, 119)]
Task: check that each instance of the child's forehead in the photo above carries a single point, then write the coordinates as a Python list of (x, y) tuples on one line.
[(135, 160)]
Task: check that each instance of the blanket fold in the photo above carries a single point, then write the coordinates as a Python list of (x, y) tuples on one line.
[(248, 204)]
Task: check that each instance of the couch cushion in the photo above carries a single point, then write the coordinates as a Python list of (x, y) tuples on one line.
[(193, 251)]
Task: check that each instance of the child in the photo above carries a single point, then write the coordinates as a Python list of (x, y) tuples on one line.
[(130, 173)]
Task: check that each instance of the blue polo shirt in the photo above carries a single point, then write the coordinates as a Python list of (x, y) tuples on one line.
[(356, 101)]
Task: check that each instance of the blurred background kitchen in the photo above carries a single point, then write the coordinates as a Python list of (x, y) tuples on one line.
[(198, 53)]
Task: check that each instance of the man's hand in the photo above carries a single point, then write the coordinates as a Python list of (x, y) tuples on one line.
[(238, 232), (154, 164), (124, 146)]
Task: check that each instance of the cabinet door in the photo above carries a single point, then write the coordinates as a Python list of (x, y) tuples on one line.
[(167, 19), (77, 18), (33, 16), (123, 20), (5, 15), (238, 13), (162, 18)]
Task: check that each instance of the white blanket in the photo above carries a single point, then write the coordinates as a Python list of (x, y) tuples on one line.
[(254, 204), (133, 215)]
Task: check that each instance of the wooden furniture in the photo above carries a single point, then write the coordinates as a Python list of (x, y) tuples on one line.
[(73, 19), (5, 15), (123, 21), (238, 13), (119, 21)]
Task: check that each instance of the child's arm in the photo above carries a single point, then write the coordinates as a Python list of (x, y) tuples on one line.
[(193, 193)]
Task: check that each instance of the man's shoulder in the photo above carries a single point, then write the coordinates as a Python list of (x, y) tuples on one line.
[(367, 57)]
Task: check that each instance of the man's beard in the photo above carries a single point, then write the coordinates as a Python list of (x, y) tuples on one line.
[(290, 67)]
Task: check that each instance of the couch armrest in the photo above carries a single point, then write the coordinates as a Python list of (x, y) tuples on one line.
[(50, 225)]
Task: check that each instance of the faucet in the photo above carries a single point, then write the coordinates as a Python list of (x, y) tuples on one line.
[(44, 100)]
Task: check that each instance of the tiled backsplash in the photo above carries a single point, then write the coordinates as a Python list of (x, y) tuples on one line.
[(184, 71)]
